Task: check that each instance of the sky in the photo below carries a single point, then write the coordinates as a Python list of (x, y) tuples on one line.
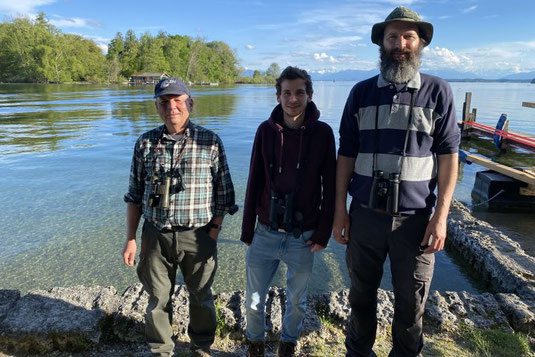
[(485, 37)]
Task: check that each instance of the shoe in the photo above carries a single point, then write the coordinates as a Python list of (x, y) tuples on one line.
[(255, 349), (286, 349), (199, 351)]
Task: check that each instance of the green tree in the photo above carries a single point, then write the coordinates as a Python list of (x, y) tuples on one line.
[(257, 74), (129, 59), (273, 70), (176, 52), (38, 52)]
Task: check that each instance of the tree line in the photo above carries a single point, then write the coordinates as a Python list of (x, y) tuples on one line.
[(36, 51)]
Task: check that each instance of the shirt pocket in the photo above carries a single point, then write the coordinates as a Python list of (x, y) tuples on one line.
[(197, 172)]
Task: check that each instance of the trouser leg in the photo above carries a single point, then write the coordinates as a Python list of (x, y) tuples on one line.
[(157, 271), (365, 256), (261, 264), (412, 272), (299, 261), (197, 258)]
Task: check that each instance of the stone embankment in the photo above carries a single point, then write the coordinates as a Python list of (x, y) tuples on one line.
[(80, 318)]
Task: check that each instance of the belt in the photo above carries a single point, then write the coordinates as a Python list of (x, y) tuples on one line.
[(380, 211), (176, 229)]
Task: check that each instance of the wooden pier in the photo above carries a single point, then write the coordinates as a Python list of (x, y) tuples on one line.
[(499, 187), (503, 136)]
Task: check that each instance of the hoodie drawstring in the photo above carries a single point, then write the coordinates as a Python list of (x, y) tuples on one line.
[(281, 150), (301, 133)]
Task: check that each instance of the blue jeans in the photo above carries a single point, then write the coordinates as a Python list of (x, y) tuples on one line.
[(268, 249)]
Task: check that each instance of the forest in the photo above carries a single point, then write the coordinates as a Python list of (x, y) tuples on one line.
[(35, 51)]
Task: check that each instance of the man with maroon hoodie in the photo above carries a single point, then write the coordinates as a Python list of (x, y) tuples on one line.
[(291, 191)]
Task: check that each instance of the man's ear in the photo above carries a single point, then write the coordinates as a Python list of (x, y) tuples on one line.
[(190, 103), (278, 98), (309, 98)]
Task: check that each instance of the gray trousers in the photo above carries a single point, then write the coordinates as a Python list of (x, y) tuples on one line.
[(373, 235), (162, 252)]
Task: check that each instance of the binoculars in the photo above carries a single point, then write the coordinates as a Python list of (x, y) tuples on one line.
[(384, 193), (159, 196), (282, 215)]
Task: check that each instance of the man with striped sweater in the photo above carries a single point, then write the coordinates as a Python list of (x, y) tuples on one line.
[(398, 142)]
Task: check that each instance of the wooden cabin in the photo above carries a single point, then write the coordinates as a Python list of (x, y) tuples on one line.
[(147, 78)]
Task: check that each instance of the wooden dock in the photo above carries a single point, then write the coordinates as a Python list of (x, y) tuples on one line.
[(508, 138)]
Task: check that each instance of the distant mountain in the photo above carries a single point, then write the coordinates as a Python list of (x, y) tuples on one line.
[(451, 74), (358, 75), (521, 76), (347, 75), (448, 74)]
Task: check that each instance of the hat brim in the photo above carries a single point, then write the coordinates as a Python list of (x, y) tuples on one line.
[(170, 91), (425, 30)]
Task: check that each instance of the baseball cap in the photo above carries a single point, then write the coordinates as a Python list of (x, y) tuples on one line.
[(171, 85)]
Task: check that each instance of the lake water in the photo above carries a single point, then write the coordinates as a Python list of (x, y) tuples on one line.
[(65, 154)]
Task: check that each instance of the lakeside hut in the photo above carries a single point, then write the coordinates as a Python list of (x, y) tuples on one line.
[(142, 78)]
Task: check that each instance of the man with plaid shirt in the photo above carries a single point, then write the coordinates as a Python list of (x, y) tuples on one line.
[(180, 183)]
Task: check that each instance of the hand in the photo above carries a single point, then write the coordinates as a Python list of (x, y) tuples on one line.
[(213, 233), (314, 246), (341, 226), (437, 227), (129, 252)]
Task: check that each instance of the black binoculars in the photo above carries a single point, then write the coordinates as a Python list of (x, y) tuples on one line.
[(159, 197), (282, 215), (384, 193)]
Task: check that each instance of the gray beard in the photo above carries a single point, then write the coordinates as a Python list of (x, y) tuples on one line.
[(396, 71)]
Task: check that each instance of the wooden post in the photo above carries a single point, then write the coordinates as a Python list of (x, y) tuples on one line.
[(466, 127), (528, 104)]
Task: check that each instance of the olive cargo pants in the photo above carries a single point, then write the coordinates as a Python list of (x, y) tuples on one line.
[(162, 252)]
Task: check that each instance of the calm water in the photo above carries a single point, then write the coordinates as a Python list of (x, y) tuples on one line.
[(65, 154)]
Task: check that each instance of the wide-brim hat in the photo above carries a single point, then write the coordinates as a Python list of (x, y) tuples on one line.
[(173, 86), (402, 13)]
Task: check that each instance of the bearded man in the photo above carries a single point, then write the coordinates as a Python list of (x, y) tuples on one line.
[(398, 141)]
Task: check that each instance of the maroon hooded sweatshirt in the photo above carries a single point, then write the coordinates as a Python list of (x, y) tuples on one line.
[(312, 149)]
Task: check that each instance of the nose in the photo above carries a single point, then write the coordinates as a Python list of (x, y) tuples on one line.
[(172, 105), (401, 43)]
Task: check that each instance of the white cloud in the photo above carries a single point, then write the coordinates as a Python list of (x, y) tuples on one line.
[(355, 17), (498, 58), (330, 42), (60, 21), (22, 7), (469, 9), (443, 58), (249, 47), (324, 57)]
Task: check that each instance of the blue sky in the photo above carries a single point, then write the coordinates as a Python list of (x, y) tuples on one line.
[(486, 37)]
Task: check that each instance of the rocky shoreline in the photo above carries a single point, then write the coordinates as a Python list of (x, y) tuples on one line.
[(99, 320)]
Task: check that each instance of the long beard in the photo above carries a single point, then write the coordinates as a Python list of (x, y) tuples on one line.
[(400, 70)]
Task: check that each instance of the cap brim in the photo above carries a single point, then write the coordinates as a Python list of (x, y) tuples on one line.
[(170, 91), (425, 29)]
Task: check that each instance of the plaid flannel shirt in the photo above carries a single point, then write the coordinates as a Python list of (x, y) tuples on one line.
[(201, 186)]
